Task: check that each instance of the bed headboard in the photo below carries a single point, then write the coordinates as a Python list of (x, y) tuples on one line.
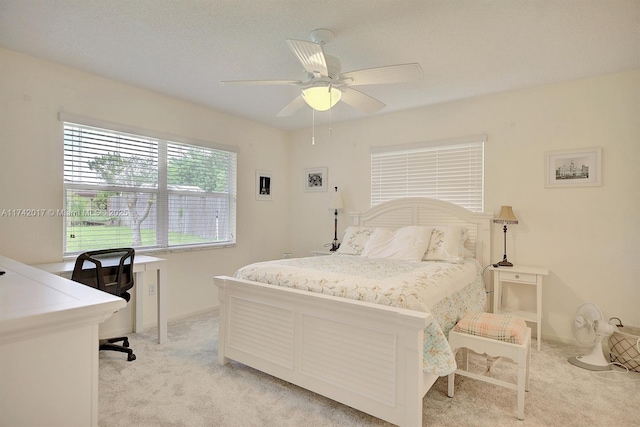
[(425, 211)]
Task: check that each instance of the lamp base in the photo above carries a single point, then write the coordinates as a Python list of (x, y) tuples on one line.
[(504, 263), (334, 246)]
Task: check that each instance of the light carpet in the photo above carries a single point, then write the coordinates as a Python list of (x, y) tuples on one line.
[(180, 383)]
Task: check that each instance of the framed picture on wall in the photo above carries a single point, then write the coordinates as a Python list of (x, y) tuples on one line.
[(315, 179), (264, 189), (573, 168)]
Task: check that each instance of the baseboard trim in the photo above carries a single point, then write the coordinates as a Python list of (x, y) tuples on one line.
[(153, 325)]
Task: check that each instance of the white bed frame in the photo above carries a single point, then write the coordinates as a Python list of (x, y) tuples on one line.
[(363, 355)]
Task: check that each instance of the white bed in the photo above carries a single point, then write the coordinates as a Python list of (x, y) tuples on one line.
[(365, 355)]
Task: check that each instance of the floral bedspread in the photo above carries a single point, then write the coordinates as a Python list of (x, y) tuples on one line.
[(445, 290)]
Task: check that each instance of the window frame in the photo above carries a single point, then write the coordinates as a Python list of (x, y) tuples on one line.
[(163, 190), (409, 159)]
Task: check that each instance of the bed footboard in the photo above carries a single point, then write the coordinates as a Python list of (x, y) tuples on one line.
[(363, 355)]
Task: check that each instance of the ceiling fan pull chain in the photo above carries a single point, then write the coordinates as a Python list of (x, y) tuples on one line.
[(330, 103), (313, 127)]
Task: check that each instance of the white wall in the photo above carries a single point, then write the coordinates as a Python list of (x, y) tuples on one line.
[(587, 237), (33, 92)]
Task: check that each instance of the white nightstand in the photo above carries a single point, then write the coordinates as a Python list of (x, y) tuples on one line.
[(523, 275), (322, 252)]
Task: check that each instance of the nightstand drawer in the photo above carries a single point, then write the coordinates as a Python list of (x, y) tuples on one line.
[(518, 277)]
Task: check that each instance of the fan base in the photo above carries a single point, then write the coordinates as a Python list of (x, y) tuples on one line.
[(583, 362)]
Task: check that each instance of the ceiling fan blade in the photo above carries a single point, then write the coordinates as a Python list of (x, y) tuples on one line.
[(360, 101), (260, 82), (292, 107), (310, 56), (390, 74)]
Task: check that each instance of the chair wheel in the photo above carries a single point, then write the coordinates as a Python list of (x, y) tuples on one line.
[(131, 357), (125, 343)]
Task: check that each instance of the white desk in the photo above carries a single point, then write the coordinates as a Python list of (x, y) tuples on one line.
[(48, 347), (141, 264)]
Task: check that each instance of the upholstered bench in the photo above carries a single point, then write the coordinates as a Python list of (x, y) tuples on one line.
[(498, 336)]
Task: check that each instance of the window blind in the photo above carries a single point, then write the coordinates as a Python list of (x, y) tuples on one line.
[(451, 170), (123, 190)]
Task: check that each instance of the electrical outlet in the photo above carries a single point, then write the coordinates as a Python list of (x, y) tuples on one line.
[(152, 289)]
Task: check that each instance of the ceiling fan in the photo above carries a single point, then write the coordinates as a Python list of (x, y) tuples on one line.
[(326, 85)]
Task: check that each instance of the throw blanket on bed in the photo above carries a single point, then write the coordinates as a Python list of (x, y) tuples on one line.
[(446, 290)]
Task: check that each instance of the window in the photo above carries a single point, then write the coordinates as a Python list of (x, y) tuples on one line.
[(451, 170), (127, 190)]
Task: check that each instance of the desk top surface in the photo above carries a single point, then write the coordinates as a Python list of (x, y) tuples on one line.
[(139, 263), (31, 296)]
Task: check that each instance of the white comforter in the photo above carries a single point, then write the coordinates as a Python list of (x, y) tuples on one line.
[(444, 289)]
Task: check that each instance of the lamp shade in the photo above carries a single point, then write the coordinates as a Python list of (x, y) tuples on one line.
[(321, 98), (336, 201), (505, 216)]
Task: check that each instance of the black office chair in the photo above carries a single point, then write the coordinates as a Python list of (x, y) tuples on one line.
[(110, 270)]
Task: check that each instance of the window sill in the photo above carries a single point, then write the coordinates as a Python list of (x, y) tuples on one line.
[(158, 251)]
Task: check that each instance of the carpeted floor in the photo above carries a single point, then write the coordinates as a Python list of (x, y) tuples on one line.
[(180, 384)]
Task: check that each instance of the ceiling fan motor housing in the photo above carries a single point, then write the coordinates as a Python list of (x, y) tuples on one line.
[(321, 35)]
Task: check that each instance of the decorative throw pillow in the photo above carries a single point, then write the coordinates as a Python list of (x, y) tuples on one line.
[(406, 243), (354, 240), (447, 244)]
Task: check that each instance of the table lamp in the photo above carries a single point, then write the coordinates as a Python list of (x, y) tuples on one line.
[(505, 216), (335, 205)]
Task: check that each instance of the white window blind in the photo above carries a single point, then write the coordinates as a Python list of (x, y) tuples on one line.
[(451, 170), (126, 190)]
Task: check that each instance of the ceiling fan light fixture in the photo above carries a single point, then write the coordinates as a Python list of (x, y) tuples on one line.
[(321, 98)]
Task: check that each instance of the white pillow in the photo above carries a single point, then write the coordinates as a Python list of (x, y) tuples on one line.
[(354, 240), (407, 243), (468, 253), (447, 244)]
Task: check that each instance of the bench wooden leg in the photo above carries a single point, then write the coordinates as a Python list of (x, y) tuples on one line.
[(522, 376), (451, 384)]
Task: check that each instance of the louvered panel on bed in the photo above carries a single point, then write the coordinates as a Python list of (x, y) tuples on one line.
[(364, 355), (262, 329), (391, 219), (356, 370)]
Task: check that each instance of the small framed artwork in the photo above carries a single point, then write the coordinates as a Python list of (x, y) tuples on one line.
[(573, 168), (264, 190), (315, 179)]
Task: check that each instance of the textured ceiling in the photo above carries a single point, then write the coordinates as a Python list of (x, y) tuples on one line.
[(466, 47)]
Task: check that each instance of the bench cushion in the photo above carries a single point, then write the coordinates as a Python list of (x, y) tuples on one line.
[(495, 326)]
